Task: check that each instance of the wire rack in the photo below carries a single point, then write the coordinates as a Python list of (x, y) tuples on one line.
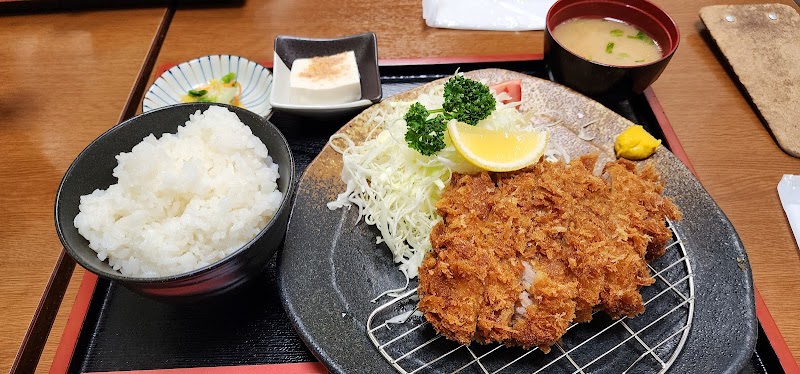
[(649, 343)]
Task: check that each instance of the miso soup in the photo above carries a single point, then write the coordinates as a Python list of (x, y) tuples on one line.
[(607, 41)]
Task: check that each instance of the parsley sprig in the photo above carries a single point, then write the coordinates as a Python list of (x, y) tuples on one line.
[(465, 100), (424, 134)]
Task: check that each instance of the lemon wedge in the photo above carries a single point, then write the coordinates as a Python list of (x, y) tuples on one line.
[(497, 150), (635, 143)]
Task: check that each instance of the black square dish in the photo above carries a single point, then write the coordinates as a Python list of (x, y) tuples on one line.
[(290, 48)]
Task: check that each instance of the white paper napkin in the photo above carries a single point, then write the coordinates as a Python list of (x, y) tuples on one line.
[(789, 193), (501, 15)]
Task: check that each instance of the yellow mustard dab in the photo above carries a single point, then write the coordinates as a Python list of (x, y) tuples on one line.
[(635, 143)]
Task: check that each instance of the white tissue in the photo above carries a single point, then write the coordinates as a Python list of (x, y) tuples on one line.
[(789, 193), (500, 15)]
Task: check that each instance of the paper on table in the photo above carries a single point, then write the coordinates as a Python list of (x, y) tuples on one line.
[(789, 193), (500, 15)]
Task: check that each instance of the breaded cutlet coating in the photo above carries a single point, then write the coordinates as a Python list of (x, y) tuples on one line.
[(587, 239)]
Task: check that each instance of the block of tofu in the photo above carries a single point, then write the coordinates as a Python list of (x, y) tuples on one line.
[(325, 80)]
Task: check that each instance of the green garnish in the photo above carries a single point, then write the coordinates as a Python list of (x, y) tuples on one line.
[(465, 100), (642, 36), (227, 78), (196, 93), (623, 55), (610, 47), (424, 134), (638, 35), (639, 61), (617, 32)]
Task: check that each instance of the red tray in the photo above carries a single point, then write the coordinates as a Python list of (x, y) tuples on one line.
[(87, 297)]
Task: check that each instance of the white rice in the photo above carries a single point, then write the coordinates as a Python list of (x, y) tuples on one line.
[(185, 200)]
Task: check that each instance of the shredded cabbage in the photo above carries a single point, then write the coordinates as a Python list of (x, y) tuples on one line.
[(396, 188)]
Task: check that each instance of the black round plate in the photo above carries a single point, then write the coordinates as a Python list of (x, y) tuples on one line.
[(330, 267)]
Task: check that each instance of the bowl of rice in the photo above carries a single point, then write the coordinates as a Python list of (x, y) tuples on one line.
[(183, 202)]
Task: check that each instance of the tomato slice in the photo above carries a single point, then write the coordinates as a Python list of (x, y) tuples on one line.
[(513, 88)]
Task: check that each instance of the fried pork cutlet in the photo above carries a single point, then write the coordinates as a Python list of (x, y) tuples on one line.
[(518, 256)]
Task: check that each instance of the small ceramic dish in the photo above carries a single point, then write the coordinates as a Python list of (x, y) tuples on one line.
[(290, 48), (174, 83)]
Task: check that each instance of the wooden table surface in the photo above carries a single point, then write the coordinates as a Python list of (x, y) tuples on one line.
[(65, 78), (95, 59)]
